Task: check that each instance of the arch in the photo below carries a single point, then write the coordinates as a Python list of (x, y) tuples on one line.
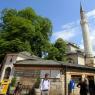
[(70, 60), (11, 60), (7, 73)]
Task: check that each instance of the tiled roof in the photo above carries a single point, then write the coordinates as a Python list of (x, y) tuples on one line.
[(38, 62), (77, 66), (42, 62)]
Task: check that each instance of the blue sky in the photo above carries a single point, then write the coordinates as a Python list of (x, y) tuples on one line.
[(64, 15)]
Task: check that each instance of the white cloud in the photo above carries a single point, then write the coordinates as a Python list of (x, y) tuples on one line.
[(62, 34), (68, 31), (91, 14), (72, 31)]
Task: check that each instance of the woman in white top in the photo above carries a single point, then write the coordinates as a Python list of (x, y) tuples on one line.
[(45, 85)]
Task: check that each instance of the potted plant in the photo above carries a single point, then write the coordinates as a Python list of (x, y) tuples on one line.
[(13, 82), (37, 87)]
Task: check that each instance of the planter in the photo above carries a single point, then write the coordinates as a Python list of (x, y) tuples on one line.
[(12, 90), (37, 91)]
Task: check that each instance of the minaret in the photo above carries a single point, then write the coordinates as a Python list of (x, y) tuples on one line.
[(85, 32)]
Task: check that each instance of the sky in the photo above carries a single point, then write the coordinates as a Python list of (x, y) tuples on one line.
[(64, 15)]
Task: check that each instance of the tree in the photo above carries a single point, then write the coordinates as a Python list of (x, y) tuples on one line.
[(57, 51), (24, 30), (61, 45), (13, 46), (17, 27), (53, 53), (43, 31), (28, 13)]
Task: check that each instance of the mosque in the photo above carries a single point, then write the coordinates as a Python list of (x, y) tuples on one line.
[(80, 64), (75, 54)]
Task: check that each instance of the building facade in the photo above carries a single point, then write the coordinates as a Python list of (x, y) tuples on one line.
[(27, 68)]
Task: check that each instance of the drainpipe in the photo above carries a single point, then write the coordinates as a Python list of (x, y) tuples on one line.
[(66, 80)]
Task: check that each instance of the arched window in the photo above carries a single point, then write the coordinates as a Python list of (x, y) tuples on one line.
[(11, 60), (7, 73), (70, 60)]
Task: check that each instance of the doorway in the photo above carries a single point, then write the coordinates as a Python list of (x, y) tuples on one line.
[(7, 73)]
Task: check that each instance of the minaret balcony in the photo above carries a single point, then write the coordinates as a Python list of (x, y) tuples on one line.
[(83, 22)]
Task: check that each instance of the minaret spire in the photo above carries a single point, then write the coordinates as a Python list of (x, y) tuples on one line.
[(85, 32), (82, 12), (81, 8)]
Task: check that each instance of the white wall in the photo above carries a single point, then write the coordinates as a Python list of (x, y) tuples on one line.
[(81, 60), (71, 48), (8, 63), (20, 58)]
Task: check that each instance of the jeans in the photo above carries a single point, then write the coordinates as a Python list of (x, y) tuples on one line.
[(45, 92)]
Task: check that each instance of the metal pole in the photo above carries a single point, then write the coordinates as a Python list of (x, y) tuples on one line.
[(65, 80)]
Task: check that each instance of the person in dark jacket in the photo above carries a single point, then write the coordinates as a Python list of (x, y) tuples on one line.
[(18, 89), (91, 86), (83, 87), (8, 90)]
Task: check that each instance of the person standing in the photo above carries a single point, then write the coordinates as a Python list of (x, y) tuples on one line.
[(83, 87), (17, 90), (45, 85), (91, 86), (71, 87), (8, 90)]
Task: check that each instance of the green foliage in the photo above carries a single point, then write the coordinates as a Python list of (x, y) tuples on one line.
[(13, 46), (24, 30), (61, 45), (53, 53), (28, 13), (37, 84), (57, 51), (13, 82)]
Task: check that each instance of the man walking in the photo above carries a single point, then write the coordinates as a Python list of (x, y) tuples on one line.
[(71, 86), (45, 85)]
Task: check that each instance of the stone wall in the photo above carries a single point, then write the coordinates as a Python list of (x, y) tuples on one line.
[(56, 88), (28, 83), (82, 74)]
